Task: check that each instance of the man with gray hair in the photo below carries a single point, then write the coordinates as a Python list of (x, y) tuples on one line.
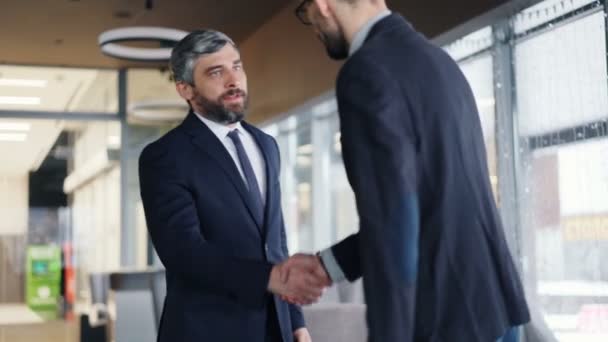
[(211, 195)]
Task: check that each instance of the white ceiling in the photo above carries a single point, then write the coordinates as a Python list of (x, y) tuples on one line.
[(20, 157), (24, 143), (63, 87)]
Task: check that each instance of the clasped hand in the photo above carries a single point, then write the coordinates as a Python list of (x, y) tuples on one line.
[(301, 279)]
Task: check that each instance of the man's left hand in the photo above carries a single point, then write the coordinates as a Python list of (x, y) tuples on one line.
[(302, 335)]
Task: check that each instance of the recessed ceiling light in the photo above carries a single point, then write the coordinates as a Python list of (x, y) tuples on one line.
[(18, 137), (19, 100), (16, 82), (15, 126)]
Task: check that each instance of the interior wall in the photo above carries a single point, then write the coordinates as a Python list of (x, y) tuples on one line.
[(286, 64), (14, 204), (13, 227), (96, 201)]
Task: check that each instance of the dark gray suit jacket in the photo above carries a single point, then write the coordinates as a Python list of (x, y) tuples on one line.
[(431, 248)]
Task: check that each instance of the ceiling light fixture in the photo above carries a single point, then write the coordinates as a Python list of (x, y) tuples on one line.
[(15, 82), (19, 100), (15, 126), (108, 42)]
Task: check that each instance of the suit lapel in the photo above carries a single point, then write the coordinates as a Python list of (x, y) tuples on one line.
[(207, 142)]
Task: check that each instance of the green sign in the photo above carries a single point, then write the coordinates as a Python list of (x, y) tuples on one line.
[(43, 279)]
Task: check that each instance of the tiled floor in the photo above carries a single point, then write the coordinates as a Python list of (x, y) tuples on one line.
[(14, 314), (19, 324), (57, 331)]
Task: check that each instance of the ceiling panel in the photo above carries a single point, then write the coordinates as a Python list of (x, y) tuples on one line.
[(25, 143), (64, 32), (44, 89)]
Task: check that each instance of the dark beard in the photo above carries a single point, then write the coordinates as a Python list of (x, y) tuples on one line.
[(335, 45), (216, 111)]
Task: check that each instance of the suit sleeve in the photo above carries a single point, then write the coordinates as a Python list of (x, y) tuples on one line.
[(295, 312), (379, 151), (174, 228)]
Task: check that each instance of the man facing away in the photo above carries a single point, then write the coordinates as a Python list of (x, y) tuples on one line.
[(210, 190), (431, 248)]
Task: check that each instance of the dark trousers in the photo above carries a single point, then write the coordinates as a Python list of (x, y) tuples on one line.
[(273, 330)]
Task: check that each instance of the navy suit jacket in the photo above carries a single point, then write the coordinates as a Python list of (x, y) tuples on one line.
[(431, 248), (217, 256)]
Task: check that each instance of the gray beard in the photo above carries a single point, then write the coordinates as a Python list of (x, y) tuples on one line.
[(218, 113)]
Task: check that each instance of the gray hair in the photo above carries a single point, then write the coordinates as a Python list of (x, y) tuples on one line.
[(190, 48)]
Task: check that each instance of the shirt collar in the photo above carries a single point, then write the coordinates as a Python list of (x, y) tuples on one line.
[(362, 34), (221, 131)]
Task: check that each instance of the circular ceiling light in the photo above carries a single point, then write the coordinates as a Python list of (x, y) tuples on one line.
[(108, 41)]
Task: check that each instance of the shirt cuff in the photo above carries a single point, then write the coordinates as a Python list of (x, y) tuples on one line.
[(331, 265)]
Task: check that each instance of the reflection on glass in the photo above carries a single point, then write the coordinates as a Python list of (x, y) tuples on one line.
[(152, 99)]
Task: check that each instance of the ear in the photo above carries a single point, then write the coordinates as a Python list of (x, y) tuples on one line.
[(325, 7), (184, 90)]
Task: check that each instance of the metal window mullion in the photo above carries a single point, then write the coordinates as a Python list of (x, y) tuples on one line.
[(53, 115), (506, 137), (128, 241)]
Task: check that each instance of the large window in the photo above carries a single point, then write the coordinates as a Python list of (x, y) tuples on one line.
[(318, 203), (562, 101), (474, 57), (542, 95)]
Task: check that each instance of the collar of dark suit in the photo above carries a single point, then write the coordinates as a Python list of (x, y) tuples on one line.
[(389, 23)]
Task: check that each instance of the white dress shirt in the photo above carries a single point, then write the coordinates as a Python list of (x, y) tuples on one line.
[(363, 32), (251, 148)]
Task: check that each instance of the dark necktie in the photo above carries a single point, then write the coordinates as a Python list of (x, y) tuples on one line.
[(252, 183)]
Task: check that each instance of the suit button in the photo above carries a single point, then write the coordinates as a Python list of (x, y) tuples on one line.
[(266, 248)]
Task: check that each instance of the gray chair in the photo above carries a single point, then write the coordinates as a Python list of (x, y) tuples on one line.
[(138, 296), (351, 292), (99, 286)]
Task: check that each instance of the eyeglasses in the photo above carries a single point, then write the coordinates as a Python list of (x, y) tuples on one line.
[(302, 12)]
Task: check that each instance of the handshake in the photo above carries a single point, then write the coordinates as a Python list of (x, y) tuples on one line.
[(301, 279)]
